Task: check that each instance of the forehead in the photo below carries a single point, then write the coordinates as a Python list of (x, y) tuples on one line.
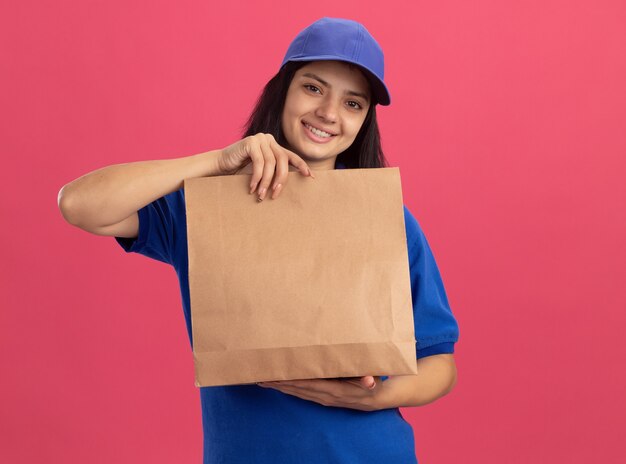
[(338, 74)]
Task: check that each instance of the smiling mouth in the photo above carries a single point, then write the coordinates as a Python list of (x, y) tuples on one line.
[(318, 132)]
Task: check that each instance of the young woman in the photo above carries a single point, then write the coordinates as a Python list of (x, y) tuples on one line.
[(317, 113)]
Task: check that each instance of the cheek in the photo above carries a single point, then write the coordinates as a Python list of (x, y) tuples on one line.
[(287, 123), (355, 127), (289, 126), (288, 117)]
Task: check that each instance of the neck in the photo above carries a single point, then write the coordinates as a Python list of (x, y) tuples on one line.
[(321, 165)]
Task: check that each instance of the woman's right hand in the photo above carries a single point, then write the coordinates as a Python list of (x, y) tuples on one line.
[(269, 161)]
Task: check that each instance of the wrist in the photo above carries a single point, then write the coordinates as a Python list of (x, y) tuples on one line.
[(210, 163)]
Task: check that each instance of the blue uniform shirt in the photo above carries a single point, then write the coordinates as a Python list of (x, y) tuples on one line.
[(251, 424)]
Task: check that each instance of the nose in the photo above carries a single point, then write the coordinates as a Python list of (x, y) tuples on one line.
[(327, 110)]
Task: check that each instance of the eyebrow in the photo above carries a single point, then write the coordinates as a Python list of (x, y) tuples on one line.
[(323, 82)]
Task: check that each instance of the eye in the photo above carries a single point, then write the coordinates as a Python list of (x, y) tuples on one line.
[(355, 105), (312, 88)]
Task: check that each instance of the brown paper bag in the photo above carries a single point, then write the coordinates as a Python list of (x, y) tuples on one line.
[(314, 284)]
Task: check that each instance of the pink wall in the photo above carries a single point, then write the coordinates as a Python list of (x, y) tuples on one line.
[(508, 122)]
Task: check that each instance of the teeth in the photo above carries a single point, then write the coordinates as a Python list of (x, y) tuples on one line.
[(318, 132)]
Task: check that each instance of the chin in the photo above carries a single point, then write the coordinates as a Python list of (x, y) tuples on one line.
[(308, 156), (317, 152)]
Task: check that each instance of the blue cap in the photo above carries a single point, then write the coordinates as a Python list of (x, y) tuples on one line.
[(342, 40)]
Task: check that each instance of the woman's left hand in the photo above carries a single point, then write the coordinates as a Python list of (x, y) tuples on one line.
[(437, 377), (359, 393)]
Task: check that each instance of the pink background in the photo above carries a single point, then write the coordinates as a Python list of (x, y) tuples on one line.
[(508, 122)]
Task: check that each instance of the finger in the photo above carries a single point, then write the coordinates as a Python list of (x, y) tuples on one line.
[(348, 379), (360, 402), (332, 388), (299, 163), (268, 169), (281, 176), (370, 382), (354, 381), (325, 385), (364, 383), (317, 397), (254, 152)]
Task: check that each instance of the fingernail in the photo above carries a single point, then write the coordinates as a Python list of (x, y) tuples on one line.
[(252, 187)]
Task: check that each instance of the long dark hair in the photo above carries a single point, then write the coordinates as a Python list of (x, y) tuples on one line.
[(365, 151)]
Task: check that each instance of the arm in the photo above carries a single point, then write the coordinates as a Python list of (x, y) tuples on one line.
[(436, 377), (106, 201)]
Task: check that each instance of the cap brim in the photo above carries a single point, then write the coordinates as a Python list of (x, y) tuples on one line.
[(379, 89)]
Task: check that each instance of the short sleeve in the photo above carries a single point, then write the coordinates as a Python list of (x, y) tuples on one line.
[(161, 223), (436, 329)]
